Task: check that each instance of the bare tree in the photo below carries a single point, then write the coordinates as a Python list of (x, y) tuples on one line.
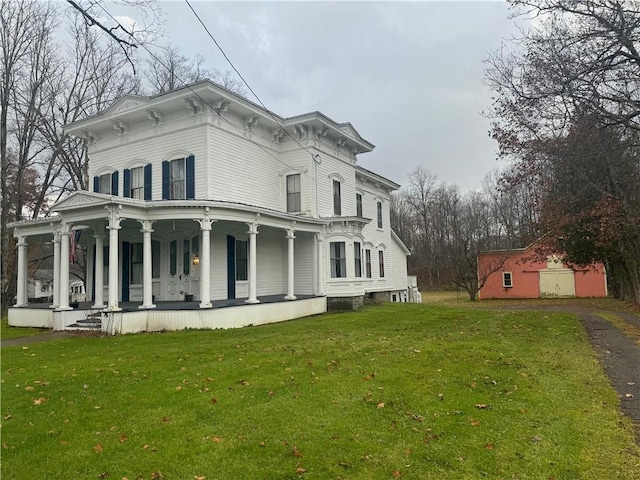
[(171, 69)]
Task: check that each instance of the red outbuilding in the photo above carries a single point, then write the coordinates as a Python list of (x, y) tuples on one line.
[(520, 273)]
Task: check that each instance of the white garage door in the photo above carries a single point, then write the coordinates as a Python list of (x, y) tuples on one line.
[(557, 283)]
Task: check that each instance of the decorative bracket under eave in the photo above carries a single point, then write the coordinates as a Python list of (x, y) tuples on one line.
[(90, 136), (156, 117), (195, 105), (250, 122), (277, 135), (121, 127)]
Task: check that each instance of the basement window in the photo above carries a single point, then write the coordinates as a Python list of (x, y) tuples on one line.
[(507, 280)]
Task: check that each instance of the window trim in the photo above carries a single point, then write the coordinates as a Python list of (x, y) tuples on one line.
[(379, 213), (509, 283), (359, 209)]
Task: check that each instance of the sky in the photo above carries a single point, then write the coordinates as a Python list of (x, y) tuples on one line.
[(407, 75)]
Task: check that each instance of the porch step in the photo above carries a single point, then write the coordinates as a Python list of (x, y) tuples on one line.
[(93, 322)]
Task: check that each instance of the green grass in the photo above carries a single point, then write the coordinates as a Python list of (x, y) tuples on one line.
[(14, 332), (409, 391)]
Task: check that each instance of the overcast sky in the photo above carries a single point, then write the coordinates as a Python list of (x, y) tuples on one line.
[(407, 75)]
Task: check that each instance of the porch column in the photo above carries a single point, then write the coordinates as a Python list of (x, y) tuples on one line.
[(321, 265), (205, 262), (63, 290), (290, 265), (114, 226), (99, 269), (22, 297), (253, 231), (56, 268), (147, 273)]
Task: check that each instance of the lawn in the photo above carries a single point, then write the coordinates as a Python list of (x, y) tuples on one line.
[(395, 391), (14, 332)]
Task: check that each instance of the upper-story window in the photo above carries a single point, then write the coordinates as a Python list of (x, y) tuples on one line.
[(359, 205), (137, 182), (379, 204), (381, 262), (178, 179), (293, 193), (106, 183), (337, 198)]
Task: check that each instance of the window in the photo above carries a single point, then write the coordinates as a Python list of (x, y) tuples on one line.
[(358, 205), (337, 199), (186, 256), (241, 260), (381, 262), (177, 180), (338, 260), (137, 183), (173, 257), (105, 266), (136, 272), (293, 193), (507, 280), (379, 214), (105, 184), (357, 256), (367, 262)]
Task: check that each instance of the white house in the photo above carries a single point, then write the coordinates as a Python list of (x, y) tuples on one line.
[(200, 194)]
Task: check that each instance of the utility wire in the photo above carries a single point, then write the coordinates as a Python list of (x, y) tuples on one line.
[(202, 99), (313, 156)]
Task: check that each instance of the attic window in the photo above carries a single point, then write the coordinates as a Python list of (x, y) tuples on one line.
[(507, 280)]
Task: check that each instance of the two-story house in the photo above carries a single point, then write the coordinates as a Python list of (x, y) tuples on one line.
[(201, 195)]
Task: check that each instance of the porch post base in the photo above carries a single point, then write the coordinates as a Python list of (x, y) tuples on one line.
[(206, 305), (63, 309), (290, 297), (146, 307), (252, 301), (101, 307), (20, 305), (114, 309)]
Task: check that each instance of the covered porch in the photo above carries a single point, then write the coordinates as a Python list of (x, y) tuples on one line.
[(150, 256)]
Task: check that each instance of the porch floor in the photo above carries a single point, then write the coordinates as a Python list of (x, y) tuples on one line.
[(181, 305)]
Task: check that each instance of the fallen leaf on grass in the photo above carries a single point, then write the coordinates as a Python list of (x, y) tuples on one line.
[(196, 477), (482, 406), (156, 475), (397, 474), (380, 405), (103, 475), (39, 401), (29, 388), (166, 419), (7, 416), (475, 423), (628, 395), (123, 438), (296, 452), (300, 470), (244, 382), (489, 446), (98, 448)]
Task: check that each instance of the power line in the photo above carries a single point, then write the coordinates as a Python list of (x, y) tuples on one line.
[(313, 156), (202, 99)]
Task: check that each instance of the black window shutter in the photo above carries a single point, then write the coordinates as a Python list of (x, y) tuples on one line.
[(126, 183), (191, 177), (114, 183), (166, 178), (147, 181), (96, 184)]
